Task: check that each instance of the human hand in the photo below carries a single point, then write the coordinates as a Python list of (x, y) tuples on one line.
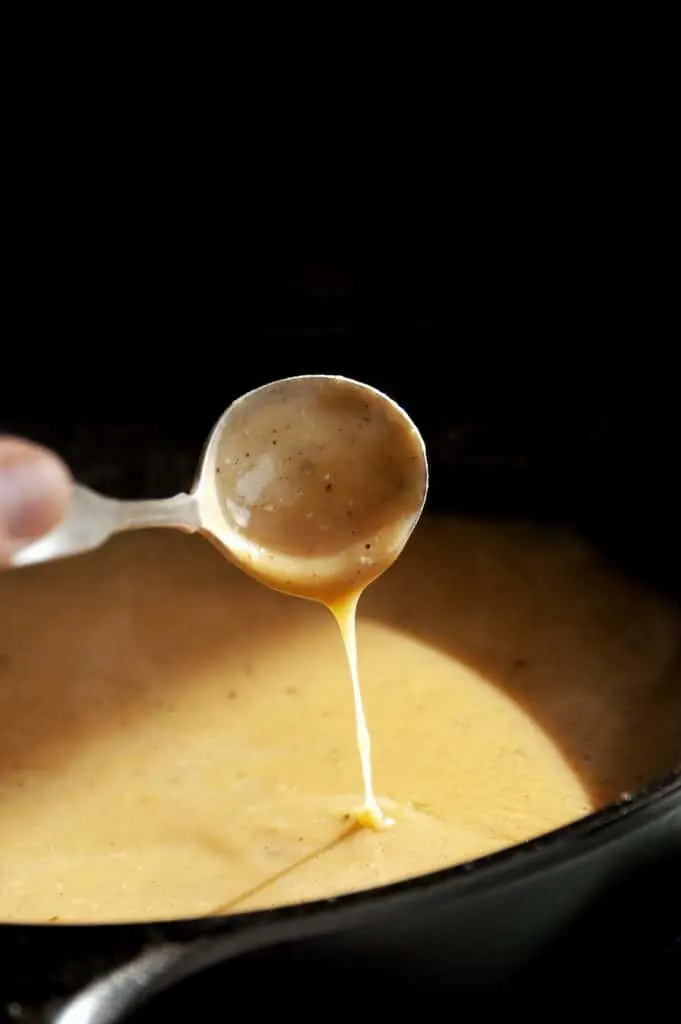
[(35, 492)]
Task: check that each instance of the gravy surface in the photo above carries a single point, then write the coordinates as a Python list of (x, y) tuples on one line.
[(178, 740)]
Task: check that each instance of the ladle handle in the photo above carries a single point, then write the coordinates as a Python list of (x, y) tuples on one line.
[(93, 518)]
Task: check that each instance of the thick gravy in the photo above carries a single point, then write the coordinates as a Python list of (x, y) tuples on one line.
[(177, 739)]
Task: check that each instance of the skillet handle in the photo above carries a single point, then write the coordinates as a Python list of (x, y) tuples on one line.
[(44, 968), (112, 997), (70, 974)]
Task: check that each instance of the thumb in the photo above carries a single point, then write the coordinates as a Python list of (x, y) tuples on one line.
[(35, 492)]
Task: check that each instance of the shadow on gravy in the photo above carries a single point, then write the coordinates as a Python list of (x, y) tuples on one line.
[(592, 655)]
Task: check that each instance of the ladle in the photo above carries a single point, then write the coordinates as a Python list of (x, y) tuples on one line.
[(311, 484)]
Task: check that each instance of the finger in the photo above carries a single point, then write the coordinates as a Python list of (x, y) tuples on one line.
[(35, 492)]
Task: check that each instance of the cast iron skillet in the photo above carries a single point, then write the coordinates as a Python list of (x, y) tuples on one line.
[(518, 423)]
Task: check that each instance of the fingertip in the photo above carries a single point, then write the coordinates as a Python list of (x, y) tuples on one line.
[(35, 490)]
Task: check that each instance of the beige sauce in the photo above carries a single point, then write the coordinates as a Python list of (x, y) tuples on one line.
[(177, 740)]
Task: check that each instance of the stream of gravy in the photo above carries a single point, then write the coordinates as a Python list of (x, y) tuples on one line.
[(178, 740), (369, 814), (320, 482)]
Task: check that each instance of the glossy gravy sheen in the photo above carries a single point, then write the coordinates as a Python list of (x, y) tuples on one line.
[(178, 740)]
